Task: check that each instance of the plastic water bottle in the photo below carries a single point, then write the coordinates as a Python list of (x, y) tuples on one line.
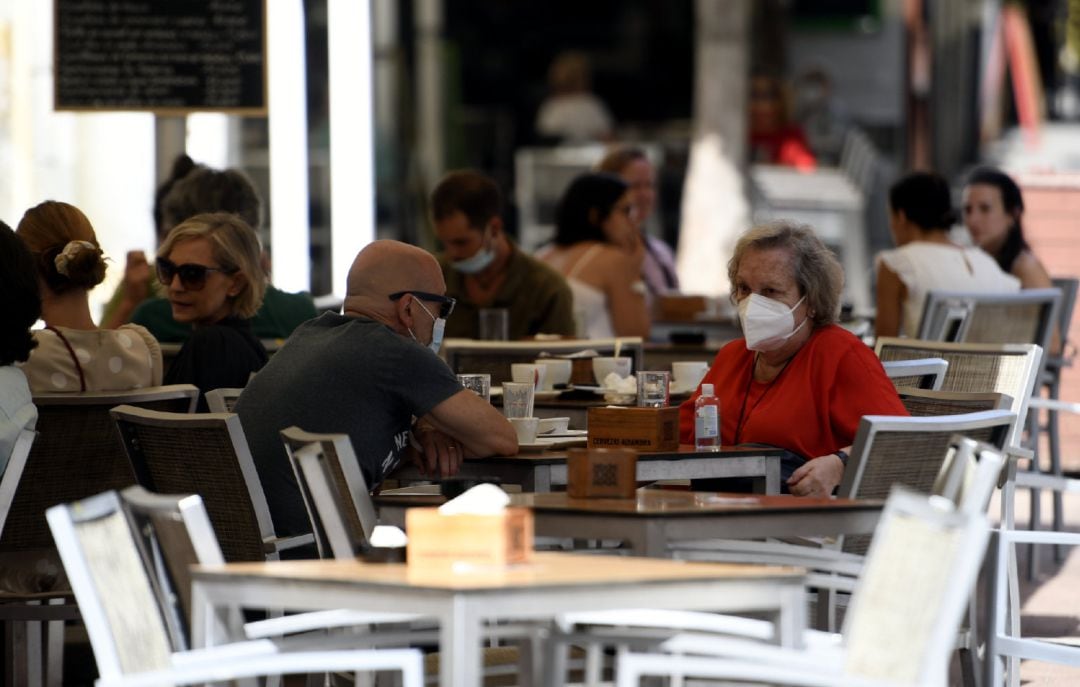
[(707, 420)]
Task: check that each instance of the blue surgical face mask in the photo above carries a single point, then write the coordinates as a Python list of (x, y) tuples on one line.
[(478, 261), (436, 330)]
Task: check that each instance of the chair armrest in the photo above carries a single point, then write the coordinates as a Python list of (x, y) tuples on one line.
[(275, 544), (321, 620), (1054, 404), (233, 662)]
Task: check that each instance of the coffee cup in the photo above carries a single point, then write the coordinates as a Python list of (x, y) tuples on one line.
[(524, 373), (604, 365), (525, 428), (556, 371), (687, 374)]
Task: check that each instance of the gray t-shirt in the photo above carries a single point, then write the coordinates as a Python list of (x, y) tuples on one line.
[(344, 375)]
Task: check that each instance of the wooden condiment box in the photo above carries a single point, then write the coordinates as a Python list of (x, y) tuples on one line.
[(601, 473), (641, 429), (484, 540), (679, 308)]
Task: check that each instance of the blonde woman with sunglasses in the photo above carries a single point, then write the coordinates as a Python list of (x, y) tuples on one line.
[(72, 354), (209, 266)]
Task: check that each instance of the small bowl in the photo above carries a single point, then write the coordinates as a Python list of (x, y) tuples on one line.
[(553, 425)]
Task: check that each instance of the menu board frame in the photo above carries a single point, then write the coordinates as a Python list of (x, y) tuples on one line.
[(99, 58)]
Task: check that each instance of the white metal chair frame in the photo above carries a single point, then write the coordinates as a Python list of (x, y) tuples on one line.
[(222, 400), (235, 661), (127, 416), (931, 371), (861, 656), (962, 481)]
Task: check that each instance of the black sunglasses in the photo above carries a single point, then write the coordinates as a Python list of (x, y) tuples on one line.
[(192, 276), (446, 303)]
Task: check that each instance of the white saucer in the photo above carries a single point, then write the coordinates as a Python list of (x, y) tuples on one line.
[(543, 443)]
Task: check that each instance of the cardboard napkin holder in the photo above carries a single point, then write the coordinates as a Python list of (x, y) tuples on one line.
[(640, 429), (601, 473), (481, 540)]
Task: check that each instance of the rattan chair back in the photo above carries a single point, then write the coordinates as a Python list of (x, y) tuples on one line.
[(114, 591), (1010, 369), (77, 453), (204, 454), (335, 493), (908, 603), (172, 532), (910, 452), (928, 403), (1027, 316)]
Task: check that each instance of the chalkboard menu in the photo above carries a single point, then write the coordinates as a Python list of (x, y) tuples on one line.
[(167, 56)]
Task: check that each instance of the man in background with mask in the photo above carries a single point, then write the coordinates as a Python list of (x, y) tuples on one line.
[(484, 269), (371, 373)]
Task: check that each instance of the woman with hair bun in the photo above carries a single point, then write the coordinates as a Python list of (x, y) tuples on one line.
[(920, 216), (72, 354)]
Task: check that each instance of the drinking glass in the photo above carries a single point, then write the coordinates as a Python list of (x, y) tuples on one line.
[(480, 383), (652, 389), (518, 399), (494, 324)]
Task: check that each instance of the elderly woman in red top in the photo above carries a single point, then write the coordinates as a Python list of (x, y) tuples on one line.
[(796, 380)]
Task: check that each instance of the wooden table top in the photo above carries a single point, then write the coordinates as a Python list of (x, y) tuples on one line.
[(670, 502), (547, 569), (685, 451), (657, 502)]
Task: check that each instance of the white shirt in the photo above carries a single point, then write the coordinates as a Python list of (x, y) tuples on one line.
[(923, 266)]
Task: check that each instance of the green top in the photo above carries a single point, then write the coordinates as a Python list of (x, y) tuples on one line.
[(278, 316), (536, 296)]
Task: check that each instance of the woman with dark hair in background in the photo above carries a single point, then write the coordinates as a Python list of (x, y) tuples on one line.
[(22, 307), (73, 355), (920, 216), (633, 167), (598, 249), (993, 210)]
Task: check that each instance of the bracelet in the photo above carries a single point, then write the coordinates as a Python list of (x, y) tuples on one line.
[(842, 455)]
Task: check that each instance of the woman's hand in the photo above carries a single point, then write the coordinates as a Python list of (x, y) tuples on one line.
[(817, 477)]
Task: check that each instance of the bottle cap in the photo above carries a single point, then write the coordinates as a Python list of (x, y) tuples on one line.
[(706, 389)]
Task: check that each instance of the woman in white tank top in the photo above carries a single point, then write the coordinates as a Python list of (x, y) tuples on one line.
[(597, 249), (925, 259)]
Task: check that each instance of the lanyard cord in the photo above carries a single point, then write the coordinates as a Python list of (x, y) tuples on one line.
[(745, 416)]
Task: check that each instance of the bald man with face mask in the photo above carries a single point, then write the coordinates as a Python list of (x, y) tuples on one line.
[(371, 373)]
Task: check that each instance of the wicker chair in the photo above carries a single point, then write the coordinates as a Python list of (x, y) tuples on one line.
[(127, 627), (466, 356), (205, 454), (928, 373), (77, 453), (1003, 368), (222, 400), (1028, 316), (335, 493), (899, 630)]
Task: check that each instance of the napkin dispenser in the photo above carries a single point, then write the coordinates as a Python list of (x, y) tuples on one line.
[(640, 429), (601, 473), (488, 540)]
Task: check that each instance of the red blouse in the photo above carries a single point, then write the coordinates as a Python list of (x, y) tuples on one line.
[(812, 408)]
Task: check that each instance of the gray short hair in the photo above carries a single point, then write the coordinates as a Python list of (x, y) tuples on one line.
[(816, 270)]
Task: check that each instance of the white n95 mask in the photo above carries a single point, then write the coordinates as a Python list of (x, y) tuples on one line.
[(767, 324)]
